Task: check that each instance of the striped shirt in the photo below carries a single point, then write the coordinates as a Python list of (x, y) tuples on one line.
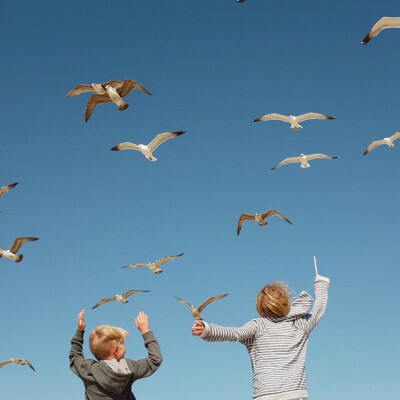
[(278, 346)]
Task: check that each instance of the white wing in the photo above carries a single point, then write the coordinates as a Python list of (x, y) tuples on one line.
[(374, 144), (162, 137), (313, 115), (395, 136), (271, 117), (383, 23), (126, 146), (287, 161), (318, 155)]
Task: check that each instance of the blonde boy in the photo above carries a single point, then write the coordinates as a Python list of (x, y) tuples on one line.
[(276, 342), (111, 377)]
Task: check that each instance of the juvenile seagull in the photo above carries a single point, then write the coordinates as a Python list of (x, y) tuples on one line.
[(388, 141), (12, 252), (147, 150), (119, 297), (293, 120), (303, 159), (383, 23), (5, 189), (114, 94), (99, 88), (196, 311), (19, 361), (154, 266), (260, 218)]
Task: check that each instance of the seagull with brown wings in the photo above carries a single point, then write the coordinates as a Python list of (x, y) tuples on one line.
[(196, 311), (12, 252)]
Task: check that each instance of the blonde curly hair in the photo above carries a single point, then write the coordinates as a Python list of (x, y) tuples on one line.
[(273, 300), (103, 338)]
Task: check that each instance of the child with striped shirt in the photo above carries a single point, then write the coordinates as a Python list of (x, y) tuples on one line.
[(276, 342)]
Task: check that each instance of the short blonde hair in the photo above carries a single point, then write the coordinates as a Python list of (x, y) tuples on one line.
[(273, 300), (103, 338)]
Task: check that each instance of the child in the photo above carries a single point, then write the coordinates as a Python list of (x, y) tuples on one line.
[(276, 342), (112, 376)]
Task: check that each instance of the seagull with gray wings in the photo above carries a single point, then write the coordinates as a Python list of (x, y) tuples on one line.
[(148, 149), (293, 120), (387, 140), (303, 159), (122, 298), (12, 252), (383, 23), (19, 361), (260, 218), (154, 266), (196, 311)]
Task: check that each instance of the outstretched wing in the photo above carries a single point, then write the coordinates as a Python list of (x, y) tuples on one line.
[(105, 300), (18, 242), (183, 301), (129, 85), (395, 136), (24, 361), (5, 189), (136, 265), (125, 146), (79, 90), (374, 144), (273, 116), (162, 137), (130, 292), (211, 300), (3, 363), (94, 100), (165, 259), (313, 115), (319, 155), (242, 218), (383, 23), (271, 212), (287, 161)]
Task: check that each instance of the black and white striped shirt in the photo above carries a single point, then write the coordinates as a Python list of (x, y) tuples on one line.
[(278, 346)]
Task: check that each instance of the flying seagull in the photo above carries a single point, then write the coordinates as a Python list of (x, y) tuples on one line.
[(5, 189), (388, 141), (241, 1), (147, 150), (154, 266), (383, 23), (19, 361), (119, 297), (293, 120), (12, 252), (196, 311), (260, 218), (303, 159)]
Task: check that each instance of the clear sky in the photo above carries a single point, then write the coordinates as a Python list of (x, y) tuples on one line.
[(212, 66)]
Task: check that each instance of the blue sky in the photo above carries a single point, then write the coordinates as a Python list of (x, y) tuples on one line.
[(212, 67)]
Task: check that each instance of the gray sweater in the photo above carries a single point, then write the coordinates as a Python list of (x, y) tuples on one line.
[(278, 346), (101, 382)]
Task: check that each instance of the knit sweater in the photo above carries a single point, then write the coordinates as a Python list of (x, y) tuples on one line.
[(278, 346), (103, 383)]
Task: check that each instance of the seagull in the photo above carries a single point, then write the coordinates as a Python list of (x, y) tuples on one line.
[(260, 218), (303, 159), (241, 1), (119, 297), (147, 150), (5, 189), (12, 252), (19, 361), (154, 266), (293, 120), (383, 23), (388, 141), (196, 311)]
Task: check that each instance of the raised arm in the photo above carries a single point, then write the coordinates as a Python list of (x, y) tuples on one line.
[(310, 320)]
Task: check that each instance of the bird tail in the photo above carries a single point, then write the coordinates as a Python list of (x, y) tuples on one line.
[(20, 257), (305, 166), (123, 107)]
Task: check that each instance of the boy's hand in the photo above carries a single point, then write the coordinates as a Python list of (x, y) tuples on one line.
[(81, 321), (197, 328), (142, 322)]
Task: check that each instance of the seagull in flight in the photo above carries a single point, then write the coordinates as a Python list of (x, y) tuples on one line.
[(122, 298), (303, 159), (196, 311), (260, 218), (154, 266), (5, 189), (12, 252), (388, 141), (293, 120), (108, 92), (147, 150), (383, 23), (19, 361)]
